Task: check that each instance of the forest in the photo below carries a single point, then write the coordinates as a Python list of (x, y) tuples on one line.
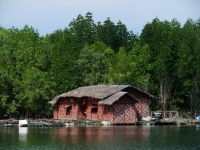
[(163, 60)]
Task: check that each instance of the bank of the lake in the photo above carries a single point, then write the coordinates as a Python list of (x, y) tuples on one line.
[(111, 137), (67, 122)]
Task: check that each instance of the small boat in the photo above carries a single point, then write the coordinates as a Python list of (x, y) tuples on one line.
[(23, 123)]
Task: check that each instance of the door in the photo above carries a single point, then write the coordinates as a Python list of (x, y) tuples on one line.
[(82, 105)]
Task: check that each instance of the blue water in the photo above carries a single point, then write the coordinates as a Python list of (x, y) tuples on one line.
[(92, 138)]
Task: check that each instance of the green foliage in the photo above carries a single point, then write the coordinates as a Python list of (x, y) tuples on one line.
[(188, 64), (163, 39), (164, 61), (140, 66), (92, 65), (120, 68), (115, 36)]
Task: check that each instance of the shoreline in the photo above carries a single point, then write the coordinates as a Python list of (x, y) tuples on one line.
[(68, 123)]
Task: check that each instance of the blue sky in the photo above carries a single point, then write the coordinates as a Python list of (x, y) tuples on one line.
[(49, 15)]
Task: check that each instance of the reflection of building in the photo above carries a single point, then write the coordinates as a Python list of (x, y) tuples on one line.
[(66, 134), (116, 103)]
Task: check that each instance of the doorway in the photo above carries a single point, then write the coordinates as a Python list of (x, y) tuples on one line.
[(82, 106)]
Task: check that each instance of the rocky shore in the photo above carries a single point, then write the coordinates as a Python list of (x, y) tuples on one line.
[(49, 122), (66, 122)]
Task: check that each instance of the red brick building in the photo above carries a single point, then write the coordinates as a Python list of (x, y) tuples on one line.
[(119, 104)]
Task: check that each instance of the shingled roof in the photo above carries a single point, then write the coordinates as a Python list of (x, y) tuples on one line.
[(99, 92), (113, 98)]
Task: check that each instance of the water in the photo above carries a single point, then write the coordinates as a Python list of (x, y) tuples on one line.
[(92, 138)]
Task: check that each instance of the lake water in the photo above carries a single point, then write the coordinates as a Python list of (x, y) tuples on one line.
[(92, 138)]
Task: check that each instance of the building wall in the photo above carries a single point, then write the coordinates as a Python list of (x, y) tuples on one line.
[(60, 109), (124, 114), (122, 111), (142, 108), (107, 113), (93, 104), (125, 110)]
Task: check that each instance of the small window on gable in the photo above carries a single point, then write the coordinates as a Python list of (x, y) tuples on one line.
[(68, 110), (94, 109)]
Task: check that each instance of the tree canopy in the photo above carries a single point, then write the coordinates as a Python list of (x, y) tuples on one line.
[(164, 61)]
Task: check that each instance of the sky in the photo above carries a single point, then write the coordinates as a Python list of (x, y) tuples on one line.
[(46, 16)]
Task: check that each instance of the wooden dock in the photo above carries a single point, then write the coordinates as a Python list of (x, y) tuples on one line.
[(174, 118)]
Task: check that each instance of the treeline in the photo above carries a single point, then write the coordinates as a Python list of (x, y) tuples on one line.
[(163, 60)]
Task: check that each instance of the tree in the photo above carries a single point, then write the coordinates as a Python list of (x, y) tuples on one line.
[(25, 62), (140, 66), (37, 90), (62, 58), (163, 39), (92, 65), (119, 71), (8, 104), (82, 30), (114, 36), (188, 65)]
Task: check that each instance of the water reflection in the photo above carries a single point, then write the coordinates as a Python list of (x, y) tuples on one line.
[(113, 137), (23, 134), (198, 126), (104, 136)]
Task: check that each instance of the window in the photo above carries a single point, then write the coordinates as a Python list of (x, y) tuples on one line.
[(94, 109), (68, 110)]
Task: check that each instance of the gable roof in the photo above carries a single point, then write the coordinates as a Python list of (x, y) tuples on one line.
[(98, 92), (113, 98)]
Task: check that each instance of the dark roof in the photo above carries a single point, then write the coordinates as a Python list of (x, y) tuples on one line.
[(98, 92), (111, 99)]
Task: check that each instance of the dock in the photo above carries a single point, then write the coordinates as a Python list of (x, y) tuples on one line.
[(174, 118)]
